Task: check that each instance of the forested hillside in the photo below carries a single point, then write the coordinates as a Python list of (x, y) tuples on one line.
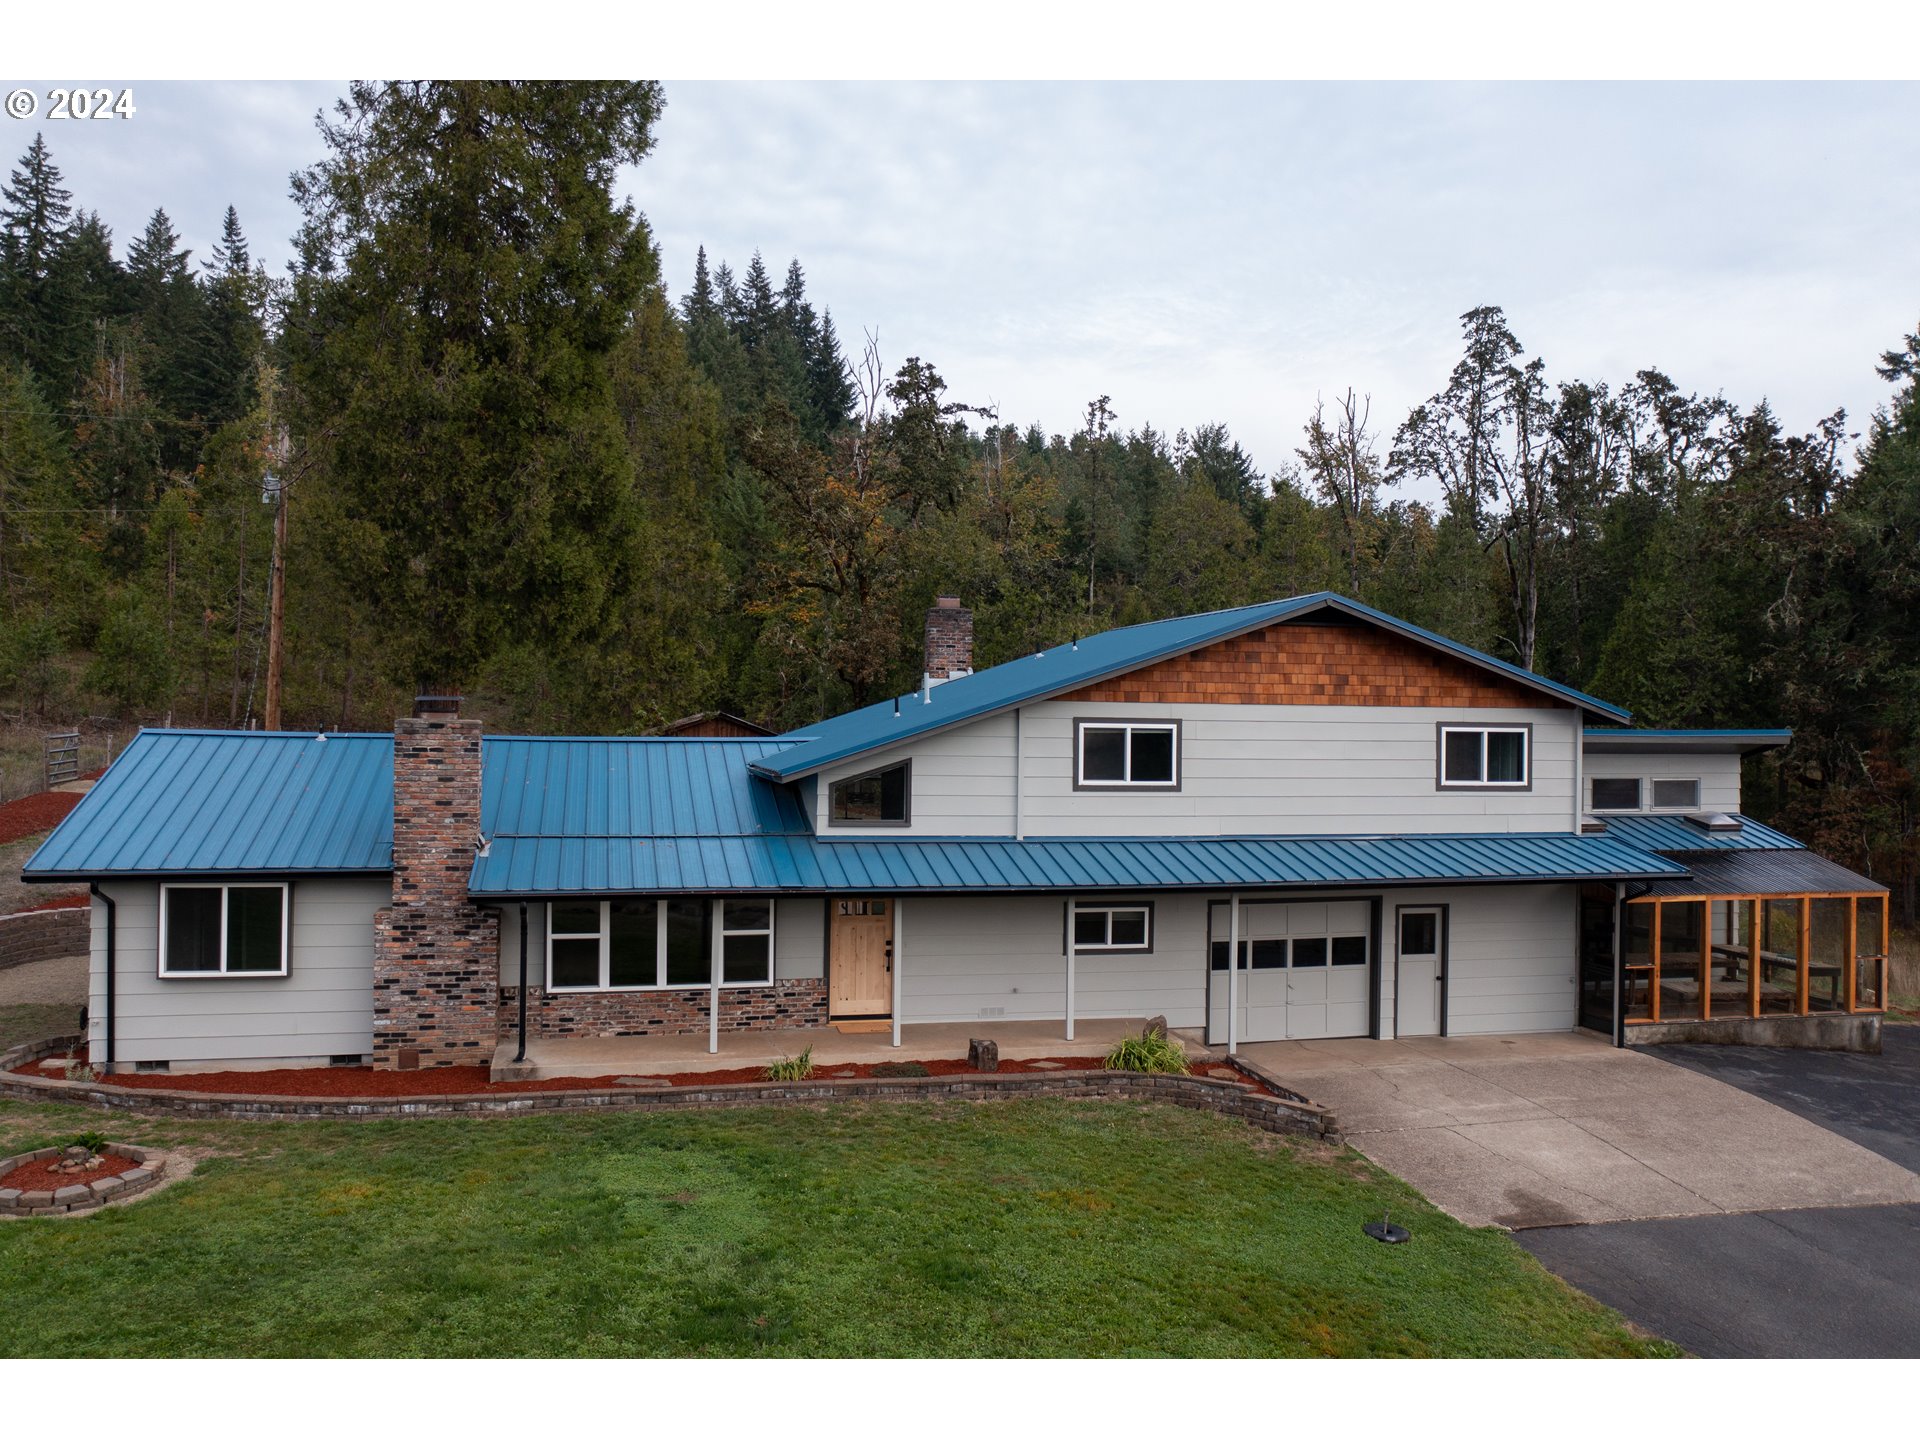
[(515, 462)]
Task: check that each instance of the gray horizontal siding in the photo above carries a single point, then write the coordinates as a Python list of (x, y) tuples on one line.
[(1246, 769), (322, 1007), (1719, 775), (994, 958), (1512, 961), (1296, 769)]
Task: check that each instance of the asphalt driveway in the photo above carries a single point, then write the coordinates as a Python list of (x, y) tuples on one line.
[(1820, 1282), (1787, 1284)]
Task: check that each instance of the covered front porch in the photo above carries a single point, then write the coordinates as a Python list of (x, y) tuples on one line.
[(582, 1057)]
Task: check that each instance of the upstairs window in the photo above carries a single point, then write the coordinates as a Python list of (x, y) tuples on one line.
[(1485, 757), (1676, 794), (1616, 792), (1112, 754), (210, 930), (878, 797)]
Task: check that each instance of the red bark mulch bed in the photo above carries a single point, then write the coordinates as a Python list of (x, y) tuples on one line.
[(359, 1081), (31, 814), (40, 1174)]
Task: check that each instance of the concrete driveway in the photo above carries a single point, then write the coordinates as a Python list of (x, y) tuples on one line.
[(1563, 1129)]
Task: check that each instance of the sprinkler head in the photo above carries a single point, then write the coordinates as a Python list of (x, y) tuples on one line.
[(1385, 1231)]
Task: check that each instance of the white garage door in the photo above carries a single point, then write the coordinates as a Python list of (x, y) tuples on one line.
[(1304, 969)]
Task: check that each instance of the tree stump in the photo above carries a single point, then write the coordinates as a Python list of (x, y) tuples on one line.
[(983, 1054)]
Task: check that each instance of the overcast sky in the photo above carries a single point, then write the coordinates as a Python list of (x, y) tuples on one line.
[(1205, 252)]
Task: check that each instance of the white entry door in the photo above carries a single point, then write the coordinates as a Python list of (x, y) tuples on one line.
[(1303, 970), (1416, 976)]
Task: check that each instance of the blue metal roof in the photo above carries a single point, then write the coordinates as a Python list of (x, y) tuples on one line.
[(1067, 667), (1674, 834), (591, 788), (572, 865), (188, 802)]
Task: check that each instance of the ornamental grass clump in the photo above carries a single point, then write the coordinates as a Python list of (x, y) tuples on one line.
[(797, 1067), (1150, 1053)]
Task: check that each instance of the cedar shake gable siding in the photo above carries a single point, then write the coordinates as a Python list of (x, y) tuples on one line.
[(1304, 663)]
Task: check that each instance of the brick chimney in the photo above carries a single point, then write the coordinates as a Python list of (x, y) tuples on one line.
[(436, 955), (949, 640)]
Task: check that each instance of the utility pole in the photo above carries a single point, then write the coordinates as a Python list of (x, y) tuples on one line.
[(277, 604)]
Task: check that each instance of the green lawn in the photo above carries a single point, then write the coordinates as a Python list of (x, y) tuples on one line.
[(1036, 1227)]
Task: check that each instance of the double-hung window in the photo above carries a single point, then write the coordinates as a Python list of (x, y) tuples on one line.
[(658, 944), (1126, 754), (1110, 929), (208, 930), (1486, 757)]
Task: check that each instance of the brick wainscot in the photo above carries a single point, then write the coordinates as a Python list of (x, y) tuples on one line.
[(783, 1005)]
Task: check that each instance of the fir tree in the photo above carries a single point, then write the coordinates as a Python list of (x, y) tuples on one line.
[(168, 308), (828, 380), (759, 310), (33, 221), (233, 328), (87, 293), (700, 304), (456, 362)]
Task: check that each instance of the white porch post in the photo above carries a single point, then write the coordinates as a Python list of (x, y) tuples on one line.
[(895, 967), (718, 919), (1070, 950), (1233, 974)]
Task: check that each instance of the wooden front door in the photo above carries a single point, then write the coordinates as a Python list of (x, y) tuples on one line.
[(861, 960)]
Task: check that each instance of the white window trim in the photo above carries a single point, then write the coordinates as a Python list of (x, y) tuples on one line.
[(286, 912), (1639, 798), (1656, 780), (717, 914), (1080, 728), (1525, 782), (1075, 910)]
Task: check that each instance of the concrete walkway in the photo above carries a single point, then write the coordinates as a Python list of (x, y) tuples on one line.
[(687, 1054), (1563, 1129)]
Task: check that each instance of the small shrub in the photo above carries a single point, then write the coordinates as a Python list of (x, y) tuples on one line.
[(81, 1071), (797, 1067), (900, 1070), (1148, 1053), (92, 1141)]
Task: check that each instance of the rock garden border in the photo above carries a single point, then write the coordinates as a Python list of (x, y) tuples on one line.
[(148, 1167), (1278, 1114)]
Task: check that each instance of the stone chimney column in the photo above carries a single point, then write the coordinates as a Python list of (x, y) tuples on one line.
[(949, 640), (436, 955)]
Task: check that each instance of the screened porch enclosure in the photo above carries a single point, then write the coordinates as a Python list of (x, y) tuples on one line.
[(1727, 957)]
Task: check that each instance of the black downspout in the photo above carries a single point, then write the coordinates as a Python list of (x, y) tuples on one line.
[(522, 1055), (112, 959)]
